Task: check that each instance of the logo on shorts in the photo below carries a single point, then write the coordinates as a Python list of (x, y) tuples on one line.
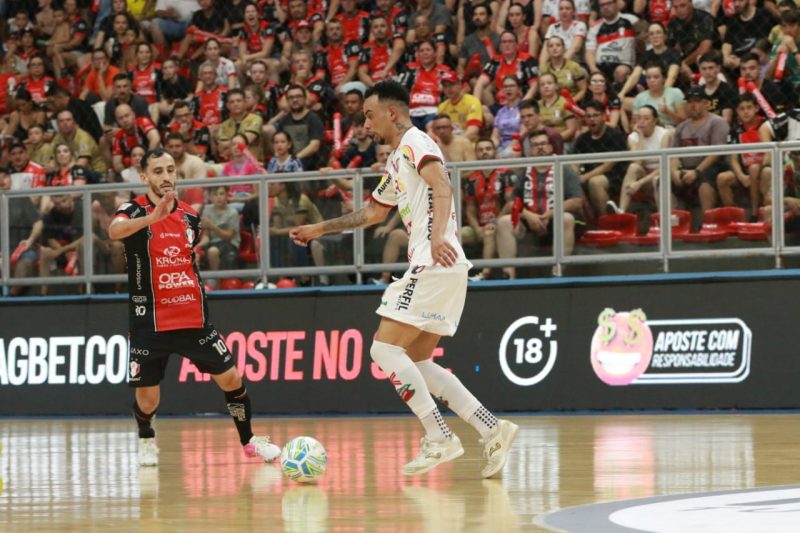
[(134, 371), (142, 352), (417, 269), (404, 300)]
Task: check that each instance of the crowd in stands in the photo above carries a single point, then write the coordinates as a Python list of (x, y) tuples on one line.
[(239, 88)]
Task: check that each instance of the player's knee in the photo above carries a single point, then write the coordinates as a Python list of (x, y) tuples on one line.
[(148, 399), (386, 355)]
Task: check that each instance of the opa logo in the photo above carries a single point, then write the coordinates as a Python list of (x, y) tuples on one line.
[(528, 350)]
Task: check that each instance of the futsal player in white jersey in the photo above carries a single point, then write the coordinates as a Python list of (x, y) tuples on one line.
[(426, 303)]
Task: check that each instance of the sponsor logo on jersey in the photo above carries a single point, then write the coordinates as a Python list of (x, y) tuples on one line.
[(178, 300), (174, 280), (139, 299), (173, 261), (138, 272), (172, 251)]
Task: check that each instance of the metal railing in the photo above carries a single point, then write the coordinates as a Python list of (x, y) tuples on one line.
[(775, 247)]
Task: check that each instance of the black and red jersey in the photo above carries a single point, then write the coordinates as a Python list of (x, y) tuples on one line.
[(37, 88), (145, 82), (375, 57), (523, 66), (355, 28), (489, 193), (166, 291), (397, 19), (200, 136), (8, 88), (335, 60), (744, 134), (209, 106), (424, 85), (254, 37), (315, 87), (75, 175), (79, 28), (124, 141), (439, 40)]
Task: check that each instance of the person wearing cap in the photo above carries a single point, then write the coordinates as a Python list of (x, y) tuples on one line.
[(694, 177), (299, 16), (464, 110), (24, 173), (299, 38)]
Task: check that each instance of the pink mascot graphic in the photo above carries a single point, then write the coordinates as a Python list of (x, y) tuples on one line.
[(622, 346)]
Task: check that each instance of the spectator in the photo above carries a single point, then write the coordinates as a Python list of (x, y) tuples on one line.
[(24, 231), (668, 101), (749, 170), (24, 116), (361, 148), (611, 43), (120, 45), (791, 194), (105, 26), (568, 73), (169, 20), (133, 131), (696, 176), (487, 194), (657, 52), (240, 122), (300, 38), (465, 111), (477, 48), (508, 61), (299, 15), (209, 99), (144, 77), (423, 80), (41, 151), (531, 121), (395, 16), (59, 100), (22, 51), (742, 30), (8, 84), (602, 179), (535, 190), (241, 164), (304, 126), (45, 22), (378, 59), (196, 137), (527, 38), (303, 74), (454, 147), (338, 61), (68, 54), (790, 26), (600, 91), (507, 122), (224, 68), (208, 20), (220, 239), (99, 82), (187, 167), (570, 29), (266, 92), (132, 174), (24, 173), (283, 159), (124, 95), (750, 71), (255, 39), (355, 22), (66, 172), (171, 87), (642, 176), (352, 105), (36, 82), (553, 108), (422, 32), (438, 15), (79, 141), (62, 237), (692, 33), (721, 96)]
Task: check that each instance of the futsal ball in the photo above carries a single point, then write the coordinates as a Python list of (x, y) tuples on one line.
[(303, 459)]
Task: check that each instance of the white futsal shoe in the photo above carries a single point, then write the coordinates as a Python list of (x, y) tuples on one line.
[(148, 452), (432, 454), (497, 446), (262, 447)]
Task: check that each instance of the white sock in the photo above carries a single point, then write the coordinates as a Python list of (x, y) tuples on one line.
[(449, 389), (410, 385)]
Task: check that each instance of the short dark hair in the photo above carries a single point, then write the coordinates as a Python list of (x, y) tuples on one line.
[(656, 64), (651, 109), (441, 116), (747, 97), (296, 87), (174, 135), (714, 56), (358, 119), (749, 57), (484, 5), (121, 76), (155, 153), (485, 140), (180, 104), (539, 133), (57, 90), (232, 92), (790, 17), (594, 104), (389, 90), (529, 103), (355, 91)]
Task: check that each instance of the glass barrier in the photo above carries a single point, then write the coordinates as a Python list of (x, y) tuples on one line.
[(719, 218)]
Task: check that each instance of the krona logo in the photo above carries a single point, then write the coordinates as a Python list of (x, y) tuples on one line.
[(172, 251)]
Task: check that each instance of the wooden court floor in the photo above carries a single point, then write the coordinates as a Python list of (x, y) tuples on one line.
[(81, 475)]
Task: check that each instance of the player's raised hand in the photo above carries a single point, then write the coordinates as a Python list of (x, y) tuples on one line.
[(443, 252), (300, 235), (163, 207)]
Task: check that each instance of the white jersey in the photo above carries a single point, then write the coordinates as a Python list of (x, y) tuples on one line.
[(402, 186)]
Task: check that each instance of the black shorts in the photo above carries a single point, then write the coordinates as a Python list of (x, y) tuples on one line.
[(149, 353)]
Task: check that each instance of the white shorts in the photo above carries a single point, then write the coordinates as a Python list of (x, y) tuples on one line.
[(431, 299)]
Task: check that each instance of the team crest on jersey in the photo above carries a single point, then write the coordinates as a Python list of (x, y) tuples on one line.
[(407, 153), (190, 235)]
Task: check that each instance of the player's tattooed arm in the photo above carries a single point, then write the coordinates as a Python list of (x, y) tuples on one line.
[(368, 215)]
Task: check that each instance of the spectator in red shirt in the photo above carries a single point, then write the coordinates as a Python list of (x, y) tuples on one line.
[(509, 61), (423, 79), (256, 38), (36, 82), (133, 131), (379, 56), (209, 102), (355, 22), (339, 60), (209, 20), (299, 12), (144, 75)]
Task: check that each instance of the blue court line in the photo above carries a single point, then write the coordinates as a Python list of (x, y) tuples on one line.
[(666, 278)]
